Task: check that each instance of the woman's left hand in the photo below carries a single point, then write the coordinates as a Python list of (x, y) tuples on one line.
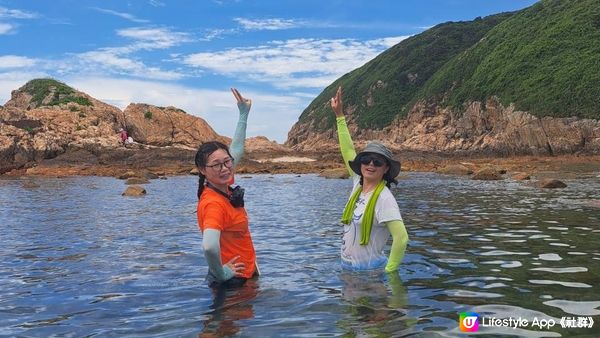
[(243, 104)]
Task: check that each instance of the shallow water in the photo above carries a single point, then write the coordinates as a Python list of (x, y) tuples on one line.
[(78, 259)]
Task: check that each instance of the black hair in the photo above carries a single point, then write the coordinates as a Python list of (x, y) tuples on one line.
[(202, 155)]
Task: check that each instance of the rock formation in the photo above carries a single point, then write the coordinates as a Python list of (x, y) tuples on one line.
[(46, 118), (485, 129)]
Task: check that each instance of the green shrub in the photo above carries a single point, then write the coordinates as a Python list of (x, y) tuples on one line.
[(148, 115), (39, 89)]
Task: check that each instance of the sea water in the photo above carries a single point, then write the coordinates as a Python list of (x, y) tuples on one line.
[(78, 259)]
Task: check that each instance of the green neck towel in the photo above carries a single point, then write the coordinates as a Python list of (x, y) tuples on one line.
[(367, 221)]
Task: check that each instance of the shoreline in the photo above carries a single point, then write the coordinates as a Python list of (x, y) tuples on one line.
[(181, 163)]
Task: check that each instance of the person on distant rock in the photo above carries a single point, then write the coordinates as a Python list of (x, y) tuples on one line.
[(123, 135), (222, 219), (371, 213)]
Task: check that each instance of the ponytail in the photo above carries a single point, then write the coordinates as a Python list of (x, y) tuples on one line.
[(201, 179)]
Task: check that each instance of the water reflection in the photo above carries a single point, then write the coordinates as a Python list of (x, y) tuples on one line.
[(378, 304), (230, 305)]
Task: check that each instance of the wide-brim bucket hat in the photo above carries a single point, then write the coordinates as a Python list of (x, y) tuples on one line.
[(380, 149)]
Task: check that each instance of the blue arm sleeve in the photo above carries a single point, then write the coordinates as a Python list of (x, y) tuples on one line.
[(346, 144), (399, 241), (237, 143), (212, 253)]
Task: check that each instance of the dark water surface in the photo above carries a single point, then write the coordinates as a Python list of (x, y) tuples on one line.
[(78, 259)]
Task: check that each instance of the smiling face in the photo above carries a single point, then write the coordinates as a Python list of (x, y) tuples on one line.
[(218, 169), (373, 167)]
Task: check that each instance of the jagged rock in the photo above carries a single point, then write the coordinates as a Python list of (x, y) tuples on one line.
[(263, 144), (487, 174), (549, 183), (134, 190), (194, 171), (487, 129), (59, 119), (167, 126)]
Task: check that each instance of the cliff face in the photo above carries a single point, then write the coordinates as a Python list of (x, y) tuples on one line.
[(46, 118), (493, 129)]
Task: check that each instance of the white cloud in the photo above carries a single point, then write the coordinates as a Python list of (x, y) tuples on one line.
[(154, 38), (266, 24), (119, 60), (293, 63), (212, 34), (125, 16), (271, 115), (6, 28), (156, 3), (99, 61), (15, 61), (16, 14)]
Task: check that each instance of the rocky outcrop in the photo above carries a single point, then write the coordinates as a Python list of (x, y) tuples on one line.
[(487, 129), (46, 118), (29, 133), (167, 126), (259, 144)]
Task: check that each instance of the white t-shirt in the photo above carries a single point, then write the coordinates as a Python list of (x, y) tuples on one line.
[(370, 256)]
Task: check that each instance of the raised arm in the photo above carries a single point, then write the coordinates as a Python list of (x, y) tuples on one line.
[(346, 144), (237, 143)]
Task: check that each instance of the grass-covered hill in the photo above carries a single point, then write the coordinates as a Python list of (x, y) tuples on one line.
[(545, 59), (49, 92)]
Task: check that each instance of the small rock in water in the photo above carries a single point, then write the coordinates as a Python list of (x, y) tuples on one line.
[(550, 184), (487, 174), (134, 190)]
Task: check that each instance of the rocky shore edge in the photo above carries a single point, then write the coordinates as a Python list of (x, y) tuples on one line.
[(163, 162)]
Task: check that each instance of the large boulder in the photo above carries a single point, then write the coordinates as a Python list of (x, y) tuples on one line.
[(167, 126)]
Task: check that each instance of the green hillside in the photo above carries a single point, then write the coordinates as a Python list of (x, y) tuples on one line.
[(545, 59), (404, 69)]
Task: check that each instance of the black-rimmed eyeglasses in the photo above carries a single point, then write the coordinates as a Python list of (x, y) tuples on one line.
[(228, 163)]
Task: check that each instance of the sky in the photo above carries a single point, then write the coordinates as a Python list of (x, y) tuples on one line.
[(189, 53)]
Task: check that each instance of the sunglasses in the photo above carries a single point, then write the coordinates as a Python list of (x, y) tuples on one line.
[(377, 161)]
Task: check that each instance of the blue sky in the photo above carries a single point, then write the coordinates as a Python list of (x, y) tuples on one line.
[(187, 54)]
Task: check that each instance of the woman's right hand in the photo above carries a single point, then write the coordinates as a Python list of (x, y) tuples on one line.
[(236, 267), (337, 104), (242, 103)]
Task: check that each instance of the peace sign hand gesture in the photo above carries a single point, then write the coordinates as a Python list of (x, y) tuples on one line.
[(243, 104)]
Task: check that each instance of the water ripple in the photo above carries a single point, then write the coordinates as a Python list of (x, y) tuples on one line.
[(135, 267)]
